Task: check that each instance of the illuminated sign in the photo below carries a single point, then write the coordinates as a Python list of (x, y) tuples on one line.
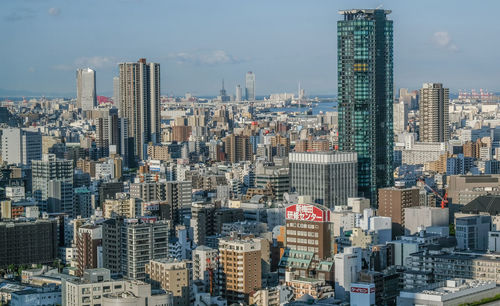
[(307, 212)]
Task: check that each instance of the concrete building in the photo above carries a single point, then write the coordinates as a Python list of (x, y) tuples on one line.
[(140, 103), (424, 267), (494, 241), (88, 248), (86, 97), (205, 266), (237, 148), (45, 295), (420, 153), (330, 178), (97, 288), (121, 207), (141, 240), (239, 268), (28, 242), (423, 217), (347, 267), (434, 113), (52, 181), (173, 276), (82, 202), (400, 116), (451, 292), (472, 232), (20, 146), (362, 294), (392, 202)]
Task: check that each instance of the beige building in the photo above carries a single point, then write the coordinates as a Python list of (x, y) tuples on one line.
[(173, 276), (363, 239), (122, 207), (434, 113), (239, 268), (265, 297)]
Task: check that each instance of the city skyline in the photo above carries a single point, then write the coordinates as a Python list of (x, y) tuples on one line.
[(281, 44)]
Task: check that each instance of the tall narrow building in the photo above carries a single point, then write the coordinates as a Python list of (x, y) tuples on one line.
[(250, 86), (86, 97), (139, 102), (365, 95), (434, 113)]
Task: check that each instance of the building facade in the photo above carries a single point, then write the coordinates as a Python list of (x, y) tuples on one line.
[(86, 97), (434, 113), (365, 95), (330, 178)]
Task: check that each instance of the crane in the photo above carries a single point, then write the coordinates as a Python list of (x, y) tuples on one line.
[(444, 200)]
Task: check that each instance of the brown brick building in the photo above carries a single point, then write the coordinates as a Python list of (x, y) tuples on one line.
[(391, 203)]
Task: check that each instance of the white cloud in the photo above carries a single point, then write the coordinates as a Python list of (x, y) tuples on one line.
[(54, 11), (94, 62), (443, 40), (215, 57)]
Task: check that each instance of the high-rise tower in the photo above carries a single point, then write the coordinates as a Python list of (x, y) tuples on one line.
[(434, 113), (140, 103), (250, 86), (365, 95), (86, 97)]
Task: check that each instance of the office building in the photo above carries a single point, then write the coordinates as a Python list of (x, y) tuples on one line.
[(20, 146), (434, 114), (52, 181), (330, 178), (140, 103), (472, 232), (86, 97), (28, 242), (239, 268), (392, 203), (365, 95), (172, 276), (250, 86), (45, 295), (206, 220)]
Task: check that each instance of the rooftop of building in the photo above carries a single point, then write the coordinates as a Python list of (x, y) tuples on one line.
[(483, 204)]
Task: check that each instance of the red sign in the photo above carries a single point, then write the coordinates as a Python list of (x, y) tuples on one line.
[(359, 290), (306, 212)]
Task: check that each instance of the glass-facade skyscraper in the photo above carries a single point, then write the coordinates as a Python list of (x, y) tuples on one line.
[(365, 95)]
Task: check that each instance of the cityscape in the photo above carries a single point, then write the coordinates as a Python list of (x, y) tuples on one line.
[(364, 171)]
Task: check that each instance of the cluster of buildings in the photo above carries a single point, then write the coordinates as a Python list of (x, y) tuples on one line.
[(152, 200)]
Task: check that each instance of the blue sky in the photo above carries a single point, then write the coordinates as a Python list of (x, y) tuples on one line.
[(199, 42)]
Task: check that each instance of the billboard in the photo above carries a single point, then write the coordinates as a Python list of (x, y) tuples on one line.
[(307, 212)]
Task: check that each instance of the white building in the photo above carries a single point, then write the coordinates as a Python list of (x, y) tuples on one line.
[(86, 97), (15, 193), (21, 146), (494, 241), (451, 292), (362, 294), (347, 266)]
